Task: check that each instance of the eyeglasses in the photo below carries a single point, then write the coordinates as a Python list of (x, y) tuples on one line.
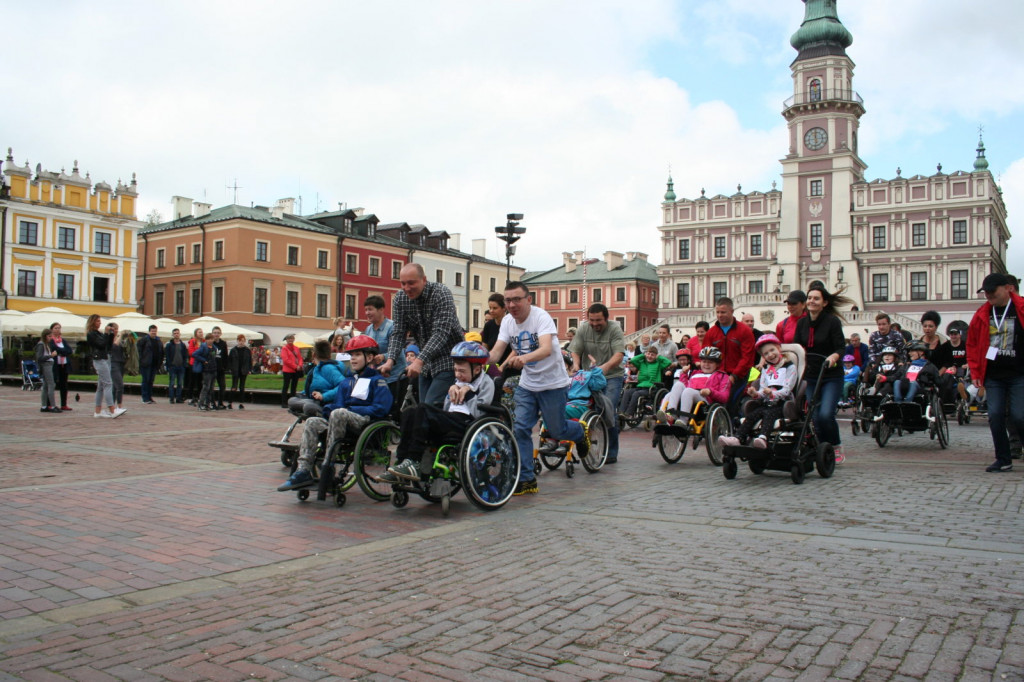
[(515, 299)]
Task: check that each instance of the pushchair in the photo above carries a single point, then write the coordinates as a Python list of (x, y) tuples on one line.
[(30, 379)]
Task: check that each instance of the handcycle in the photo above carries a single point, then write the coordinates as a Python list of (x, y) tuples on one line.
[(596, 420), (924, 413)]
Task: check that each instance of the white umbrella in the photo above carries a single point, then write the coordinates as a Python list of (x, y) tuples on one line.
[(12, 322), (134, 322), (38, 320), (165, 326), (227, 329)]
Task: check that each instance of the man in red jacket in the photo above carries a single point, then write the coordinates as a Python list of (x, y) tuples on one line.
[(995, 356), (736, 341)]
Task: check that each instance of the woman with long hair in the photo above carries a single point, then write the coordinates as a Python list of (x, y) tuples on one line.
[(821, 335), (45, 357), (194, 381), (100, 344), (61, 364), (117, 363)]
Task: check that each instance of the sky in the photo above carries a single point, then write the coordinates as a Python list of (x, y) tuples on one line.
[(453, 113)]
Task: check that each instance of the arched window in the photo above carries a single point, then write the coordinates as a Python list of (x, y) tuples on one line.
[(815, 90)]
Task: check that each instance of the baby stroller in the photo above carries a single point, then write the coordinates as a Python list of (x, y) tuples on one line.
[(30, 379), (793, 445)]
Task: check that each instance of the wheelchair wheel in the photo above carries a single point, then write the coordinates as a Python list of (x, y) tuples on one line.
[(941, 425), (855, 426), (825, 460), (552, 460), (489, 463), (797, 474), (672, 448), (718, 423), (375, 452), (730, 468), (598, 431), (757, 466), (961, 413), (883, 432), (659, 398)]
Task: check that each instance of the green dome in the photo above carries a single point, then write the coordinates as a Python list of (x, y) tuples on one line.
[(821, 26), (981, 163), (670, 195)]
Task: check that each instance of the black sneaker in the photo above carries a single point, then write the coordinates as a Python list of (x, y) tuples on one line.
[(527, 488), (389, 477), (583, 446), (999, 468)]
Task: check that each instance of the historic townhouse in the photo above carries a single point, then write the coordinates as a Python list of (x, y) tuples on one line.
[(66, 242)]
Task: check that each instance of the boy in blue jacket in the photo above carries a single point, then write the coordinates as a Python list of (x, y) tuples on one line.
[(361, 397)]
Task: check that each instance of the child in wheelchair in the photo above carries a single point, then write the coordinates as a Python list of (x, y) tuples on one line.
[(769, 392), (584, 384), (360, 398), (650, 367), (851, 376), (708, 383), (917, 373), (880, 376), (427, 425)]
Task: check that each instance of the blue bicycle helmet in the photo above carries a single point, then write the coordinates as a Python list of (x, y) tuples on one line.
[(471, 352)]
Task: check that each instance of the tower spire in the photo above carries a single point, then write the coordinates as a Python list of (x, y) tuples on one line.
[(821, 32), (670, 194), (981, 163)]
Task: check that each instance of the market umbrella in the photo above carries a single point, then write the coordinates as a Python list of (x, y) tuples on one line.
[(38, 320), (227, 329), (304, 340), (12, 322), (135, 322)]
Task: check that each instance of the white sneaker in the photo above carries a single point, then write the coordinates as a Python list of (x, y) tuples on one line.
[(728, 440), (117, 413), (101, 415), (840, 457), (761, 443)]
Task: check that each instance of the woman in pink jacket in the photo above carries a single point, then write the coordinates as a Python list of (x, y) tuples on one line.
[(291, 369)]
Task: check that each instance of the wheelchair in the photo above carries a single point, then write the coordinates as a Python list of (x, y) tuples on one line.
[(289, 449), (332, 471), (925, 413), (793, 445), (865, 408), (485, 463), (596, 419), (709, 421), (646, 408), (966, 408)]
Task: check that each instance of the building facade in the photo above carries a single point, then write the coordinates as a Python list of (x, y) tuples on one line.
[(66, 242), (903, 245)]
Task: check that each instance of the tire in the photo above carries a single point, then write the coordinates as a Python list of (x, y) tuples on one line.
[(570, 469), (882, 433), (659, 396), (286, 460), (598, 432), (537, 468), (375, 452), (446, 505), (339, 500), (960, 413), (303, 495), (797, 474), (718, 423), (825, 460), (399, 499), (855, 426), (943, 430), (672, 448), (730, 468), (552, 460), (489, 463), (757, 467)]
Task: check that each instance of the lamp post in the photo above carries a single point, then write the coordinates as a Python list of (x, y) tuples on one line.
[(510, 233)]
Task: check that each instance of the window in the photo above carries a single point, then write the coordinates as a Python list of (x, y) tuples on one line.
[(597, 295), (476, 283), (218, 250), (158, 303), (28, 232), (574, 322), (817, 238), (321, 305), (755, 245), (958, 283), (918, 286), (494, 284), (218, 299), (396, 269), (26, 283), (196, 300), (814, 90), (878, 237), (720, 289), (476, 317), (917, 234), (959, 231), (880, 287), (719, 247), (179, 255), (350, 306), (66, 238), (439, 276), (683, 295), (553, 297), (654, 297), (574, 295), (374, 267), (179, 302), (816, 188), (351, 262), (101, 288), (755, 286), (259, 303), (321, 259), (197, 253), (102, 242), (65, 286), (262, 249), (684, 249), (291, 303), (458, 279), (620, 294), (293, 255), (160, 258), (621, 321)]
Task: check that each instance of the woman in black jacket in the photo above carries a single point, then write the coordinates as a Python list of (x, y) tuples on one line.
[(821, 335), (100, 344)]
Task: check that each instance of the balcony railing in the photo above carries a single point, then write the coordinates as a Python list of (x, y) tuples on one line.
[(823, 96)]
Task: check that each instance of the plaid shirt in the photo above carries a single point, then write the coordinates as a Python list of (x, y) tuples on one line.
[(432, 319)]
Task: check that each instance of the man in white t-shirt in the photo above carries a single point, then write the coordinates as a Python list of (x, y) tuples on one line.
[(544, 384)]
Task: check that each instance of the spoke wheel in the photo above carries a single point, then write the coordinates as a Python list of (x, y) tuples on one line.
[(672, 448), (942, 424), (489, 464), (882, 433), (552, 460), (598, 432), (375, 452), (718, 424)]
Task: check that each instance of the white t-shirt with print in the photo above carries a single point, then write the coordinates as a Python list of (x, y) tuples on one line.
[(540, 375)]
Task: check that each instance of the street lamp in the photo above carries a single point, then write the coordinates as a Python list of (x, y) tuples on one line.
[(510, 233)]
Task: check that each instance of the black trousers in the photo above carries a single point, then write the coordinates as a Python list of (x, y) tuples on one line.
[(60, 377), (428, 425)]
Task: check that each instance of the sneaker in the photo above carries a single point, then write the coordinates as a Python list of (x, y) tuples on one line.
[(65, 408), (760, 443), (406, 469), (388, 477), (204, 408), (663, 417), (583, 446), (101, 415), (117, 413), (547, 447), (728, 441), (840, 457), (526, 488), (998, 467), (299, 479)]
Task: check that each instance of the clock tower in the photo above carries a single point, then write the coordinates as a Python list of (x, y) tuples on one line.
[(823, 116)]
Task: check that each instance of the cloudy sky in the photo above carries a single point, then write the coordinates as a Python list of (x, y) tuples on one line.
[(453, 113)]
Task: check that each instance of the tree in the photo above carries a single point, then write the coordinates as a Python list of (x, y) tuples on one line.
[(154, 217)]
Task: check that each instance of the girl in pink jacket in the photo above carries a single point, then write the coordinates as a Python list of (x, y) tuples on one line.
[(708, 383)]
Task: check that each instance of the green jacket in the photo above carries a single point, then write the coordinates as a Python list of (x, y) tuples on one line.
[(649, 373)]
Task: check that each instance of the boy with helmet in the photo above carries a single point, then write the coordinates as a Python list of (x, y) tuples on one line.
[(359, 398), (429, 425), (708, 383), (775, 385), (881, 374), (916, 373)]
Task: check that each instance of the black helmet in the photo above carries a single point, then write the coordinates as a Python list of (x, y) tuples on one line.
[(918, 346)]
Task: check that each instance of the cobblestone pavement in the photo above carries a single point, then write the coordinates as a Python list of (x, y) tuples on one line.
[(154, 547)]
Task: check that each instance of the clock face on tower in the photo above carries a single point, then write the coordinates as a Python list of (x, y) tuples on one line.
[(815, 138)]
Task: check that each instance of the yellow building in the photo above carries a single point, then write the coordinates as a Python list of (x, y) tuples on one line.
[(66, 242)]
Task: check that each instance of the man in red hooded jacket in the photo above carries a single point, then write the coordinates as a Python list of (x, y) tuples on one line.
[(995, 356), (736, 341)]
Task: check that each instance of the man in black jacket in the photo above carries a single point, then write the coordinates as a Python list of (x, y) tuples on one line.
[(151, 357)]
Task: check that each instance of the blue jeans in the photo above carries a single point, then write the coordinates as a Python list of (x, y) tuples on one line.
[(147, 382), (434, 389), (614, 392), (175, 379), (824, 417), (551, 406), (1005, 399), (904, 395)]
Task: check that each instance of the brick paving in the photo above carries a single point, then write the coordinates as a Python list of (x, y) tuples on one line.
[(153, 547)]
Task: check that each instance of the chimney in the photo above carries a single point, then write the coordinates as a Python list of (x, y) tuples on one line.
[(613, 259), (640, 255), (455, 241), (568, 261), (201, 208), (182, 207), (480, 247), (359, 211), (277, 211), (286, 205)]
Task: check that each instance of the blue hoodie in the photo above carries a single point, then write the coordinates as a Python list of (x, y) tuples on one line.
[(377, 403), (325, 377)]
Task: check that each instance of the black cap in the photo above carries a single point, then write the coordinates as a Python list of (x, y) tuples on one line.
[(993, 281), (796, 296)]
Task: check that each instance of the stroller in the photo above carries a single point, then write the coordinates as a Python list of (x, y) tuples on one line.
[(30, 379)]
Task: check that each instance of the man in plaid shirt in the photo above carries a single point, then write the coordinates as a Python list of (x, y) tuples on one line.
[(427, 309)]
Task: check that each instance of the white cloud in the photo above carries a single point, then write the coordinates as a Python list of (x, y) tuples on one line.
[(1012, 182)]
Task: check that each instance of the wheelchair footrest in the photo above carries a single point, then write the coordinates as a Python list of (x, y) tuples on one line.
[(284, 445)]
